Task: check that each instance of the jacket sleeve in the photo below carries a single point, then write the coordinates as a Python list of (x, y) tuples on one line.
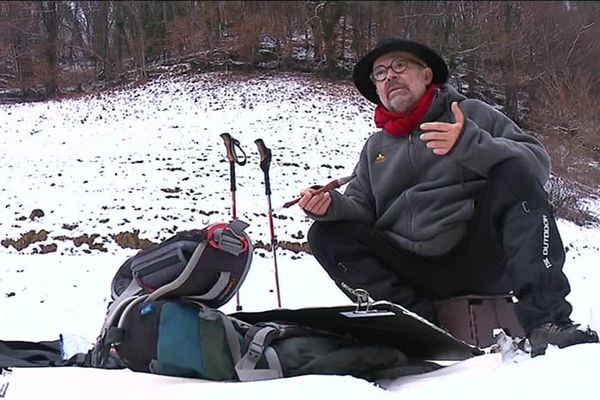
[(356, 203), (490, 137)]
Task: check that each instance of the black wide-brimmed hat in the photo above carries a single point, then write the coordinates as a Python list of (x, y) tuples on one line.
[(364, 67)]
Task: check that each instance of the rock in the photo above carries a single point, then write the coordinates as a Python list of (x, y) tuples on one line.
[(36, 213), (48, 248), (26, 239)]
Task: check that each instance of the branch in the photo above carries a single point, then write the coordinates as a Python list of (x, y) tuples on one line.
[(469, 50), (316, 12), (420, 15), (88, 50), (526, 79), (574, 43)]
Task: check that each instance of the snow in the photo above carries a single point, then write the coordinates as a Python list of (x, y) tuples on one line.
[(150, 159)]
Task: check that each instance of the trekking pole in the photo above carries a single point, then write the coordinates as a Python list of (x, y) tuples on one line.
[(265, 162), (230, 145)]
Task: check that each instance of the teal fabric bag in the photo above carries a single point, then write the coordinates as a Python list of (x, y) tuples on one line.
[(179, 338), (193, 343)]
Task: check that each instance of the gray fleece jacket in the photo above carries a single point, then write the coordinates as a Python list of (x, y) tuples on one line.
[(424, 201)]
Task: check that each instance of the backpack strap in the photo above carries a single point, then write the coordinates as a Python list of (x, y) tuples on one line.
[(112, 330), (217, 288), (231, 333), (257, 344), (162, 264), (229, 238), (258, 339), (113, 311), (120, 303)]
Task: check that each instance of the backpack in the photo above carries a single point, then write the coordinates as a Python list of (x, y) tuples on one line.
[(207, 265), (164, 320), (186, 338)]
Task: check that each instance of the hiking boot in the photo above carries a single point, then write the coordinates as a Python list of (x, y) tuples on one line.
[(559, 334)]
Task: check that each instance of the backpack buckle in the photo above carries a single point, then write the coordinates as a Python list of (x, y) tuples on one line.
[(222, 237), (255, 350)]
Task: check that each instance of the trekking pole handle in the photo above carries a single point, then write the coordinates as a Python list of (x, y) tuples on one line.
[(265, 162), (230, 145)]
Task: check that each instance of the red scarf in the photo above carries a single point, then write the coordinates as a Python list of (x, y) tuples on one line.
[(399, 124)]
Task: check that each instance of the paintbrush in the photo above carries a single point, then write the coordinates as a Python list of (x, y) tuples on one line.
[(334, 184)]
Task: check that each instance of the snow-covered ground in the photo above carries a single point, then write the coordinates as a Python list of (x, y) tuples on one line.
[(151, 160)]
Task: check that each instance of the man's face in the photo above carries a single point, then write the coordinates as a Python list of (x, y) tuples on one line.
[(399, 92)]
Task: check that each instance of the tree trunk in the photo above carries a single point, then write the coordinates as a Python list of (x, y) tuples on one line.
[(49, 12), (317, 36), (330, 21), (511, 107)]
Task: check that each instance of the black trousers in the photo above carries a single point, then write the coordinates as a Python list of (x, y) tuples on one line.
[(512, 245)]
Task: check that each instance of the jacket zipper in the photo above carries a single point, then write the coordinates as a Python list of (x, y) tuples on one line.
[(413, 167)]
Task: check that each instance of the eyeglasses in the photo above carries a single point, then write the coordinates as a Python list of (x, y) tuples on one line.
[(399, 65)]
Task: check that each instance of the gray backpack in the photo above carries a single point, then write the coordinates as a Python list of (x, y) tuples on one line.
[(205, 265)]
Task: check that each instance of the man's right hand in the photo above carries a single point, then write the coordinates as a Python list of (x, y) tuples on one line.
[(316, 204)]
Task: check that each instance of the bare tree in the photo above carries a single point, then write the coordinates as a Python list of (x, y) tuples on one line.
[(20, 44), (511, 18), (50, 19), (502, 52), (134, 15), (316, 29)]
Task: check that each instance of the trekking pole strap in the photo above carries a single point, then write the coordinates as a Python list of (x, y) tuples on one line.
[(231, 146), (232, 157)]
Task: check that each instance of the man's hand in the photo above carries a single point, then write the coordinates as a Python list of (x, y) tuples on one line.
[(316, 204), (442, 136)]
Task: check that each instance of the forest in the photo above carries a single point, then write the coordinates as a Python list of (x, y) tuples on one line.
[(537, 61)]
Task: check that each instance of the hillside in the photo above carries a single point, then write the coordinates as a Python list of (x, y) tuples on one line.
[(89, 179)]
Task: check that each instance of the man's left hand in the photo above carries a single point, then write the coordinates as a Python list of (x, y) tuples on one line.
[(442, 136)]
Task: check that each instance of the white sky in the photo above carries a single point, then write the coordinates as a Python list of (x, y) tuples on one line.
[(101, 163)]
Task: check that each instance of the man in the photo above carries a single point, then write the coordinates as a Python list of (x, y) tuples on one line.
[(447, 200)]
